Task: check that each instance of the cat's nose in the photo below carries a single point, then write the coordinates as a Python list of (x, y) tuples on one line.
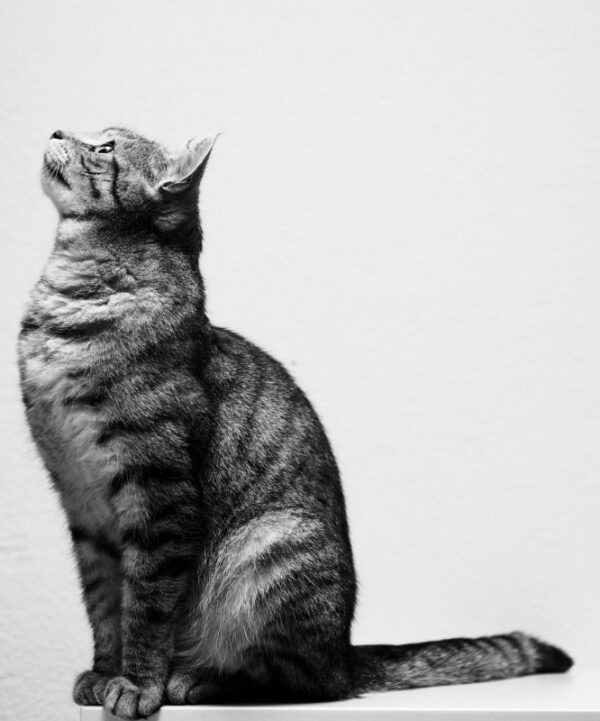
[(58, 134)]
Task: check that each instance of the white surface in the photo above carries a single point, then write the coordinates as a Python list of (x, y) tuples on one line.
[(404, 207), (575, 695)]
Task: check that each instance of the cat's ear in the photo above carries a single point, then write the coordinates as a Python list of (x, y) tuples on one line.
[(187, 169)]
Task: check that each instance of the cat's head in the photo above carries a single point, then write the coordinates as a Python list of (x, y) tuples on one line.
[(119, 174)]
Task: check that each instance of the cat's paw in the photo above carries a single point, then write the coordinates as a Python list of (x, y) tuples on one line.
[(88, 689), (188, 688), (178, 686), (128, 701)]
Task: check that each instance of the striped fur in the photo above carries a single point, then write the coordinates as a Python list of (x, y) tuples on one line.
[(202, 496), (235, 597)]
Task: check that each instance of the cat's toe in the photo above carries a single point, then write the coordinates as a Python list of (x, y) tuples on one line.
[(203, 693), (189, 688), (178, 686), (128, 701), (88, 689)]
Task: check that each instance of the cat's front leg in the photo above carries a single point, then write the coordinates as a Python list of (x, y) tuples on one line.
[(158, 522), (98, 562)]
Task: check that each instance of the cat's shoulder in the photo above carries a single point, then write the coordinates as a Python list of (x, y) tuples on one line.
[(234, 356)]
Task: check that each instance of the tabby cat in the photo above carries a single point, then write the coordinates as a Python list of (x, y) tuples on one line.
[(201, 493)]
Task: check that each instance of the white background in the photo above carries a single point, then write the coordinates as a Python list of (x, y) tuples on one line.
[(403, 208)]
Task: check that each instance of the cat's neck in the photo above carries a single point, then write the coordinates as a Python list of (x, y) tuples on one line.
[(139, 285), (95, 253), (130, 236), (153, 253)]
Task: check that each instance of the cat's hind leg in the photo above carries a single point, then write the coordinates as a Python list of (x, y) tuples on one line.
[(302, 672), (209, 686), (272, 617)]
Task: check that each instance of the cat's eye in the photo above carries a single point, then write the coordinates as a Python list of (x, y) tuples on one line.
[(105, 147)]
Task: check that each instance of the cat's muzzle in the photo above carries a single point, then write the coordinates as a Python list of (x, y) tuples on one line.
[(56, 159), (57, 152)]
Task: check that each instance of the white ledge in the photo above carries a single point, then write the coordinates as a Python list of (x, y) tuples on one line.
[(575, 695)]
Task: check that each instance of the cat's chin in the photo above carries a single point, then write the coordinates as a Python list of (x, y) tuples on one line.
[(57, 191)]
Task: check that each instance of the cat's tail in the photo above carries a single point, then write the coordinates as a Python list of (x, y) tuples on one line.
[(454, 661)]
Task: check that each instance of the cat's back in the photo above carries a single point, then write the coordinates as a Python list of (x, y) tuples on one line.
[(255, 395), (269, 447)]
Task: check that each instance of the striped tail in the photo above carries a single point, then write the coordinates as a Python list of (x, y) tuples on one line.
[(454, 661)]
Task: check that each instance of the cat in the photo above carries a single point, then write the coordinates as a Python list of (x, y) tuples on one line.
[(202, 495)]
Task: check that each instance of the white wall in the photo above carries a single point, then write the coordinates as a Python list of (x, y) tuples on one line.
[(403, 208)]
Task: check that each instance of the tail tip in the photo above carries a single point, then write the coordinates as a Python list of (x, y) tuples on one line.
[(553, 659)]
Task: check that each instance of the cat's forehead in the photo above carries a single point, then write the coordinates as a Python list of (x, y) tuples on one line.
[(125, 137), (130, 146), (132, 141)]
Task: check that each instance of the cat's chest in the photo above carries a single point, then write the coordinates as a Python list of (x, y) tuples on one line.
[(66, 421)]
